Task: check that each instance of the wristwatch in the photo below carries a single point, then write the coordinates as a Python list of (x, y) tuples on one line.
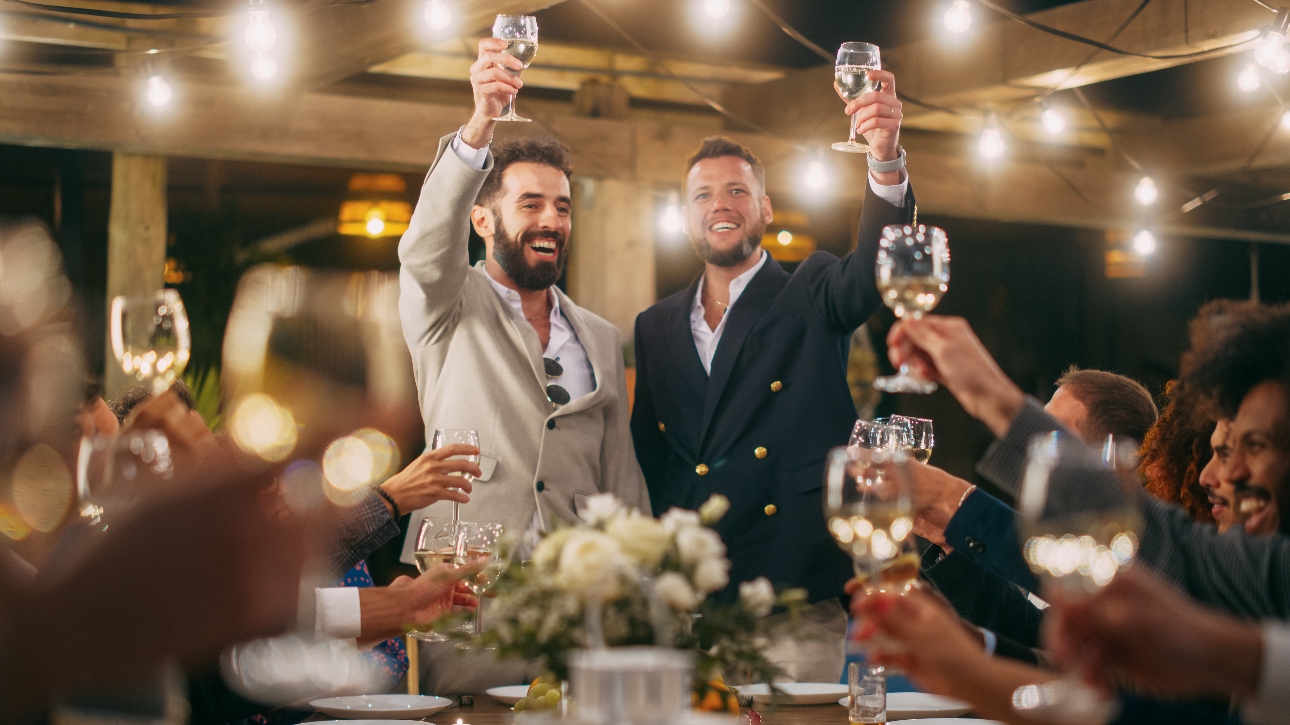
[(895, 164)]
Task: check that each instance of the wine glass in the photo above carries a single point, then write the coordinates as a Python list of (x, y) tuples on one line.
[(114, 472), (1078, 516), (475, 542), (851, 80), (868, 508), (431, 551), (446, 437), (521, 35), (150, 337), (913, 271), (921, 439)]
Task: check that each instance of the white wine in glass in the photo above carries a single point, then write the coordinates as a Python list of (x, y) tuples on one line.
[(448, 436), (429, 553), (851, 80), (521, 35), (921, 438), (912, 273)]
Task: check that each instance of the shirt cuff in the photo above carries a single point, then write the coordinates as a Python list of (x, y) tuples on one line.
[(991, 641), (475, 158), (339, 614), (894, 194), (1272, 701)]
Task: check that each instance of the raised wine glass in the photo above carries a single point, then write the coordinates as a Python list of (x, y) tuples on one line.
[(150, 337), (521, 35), (448, 436), (921, 438), (868, 508), (913, 272), (431, 551), (478, 543), (1078, 517), (851, 80)]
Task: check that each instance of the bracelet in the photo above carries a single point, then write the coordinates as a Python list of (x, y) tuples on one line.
[(895, 164), (968, 492), (389, 499)]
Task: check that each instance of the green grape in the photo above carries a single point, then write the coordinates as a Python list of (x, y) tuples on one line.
[(553, 698), (522, 705)]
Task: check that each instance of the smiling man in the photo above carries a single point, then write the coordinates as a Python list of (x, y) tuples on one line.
[(499, 349), (741, 383)]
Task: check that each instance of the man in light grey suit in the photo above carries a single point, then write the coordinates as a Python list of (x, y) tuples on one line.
[(497, 348)]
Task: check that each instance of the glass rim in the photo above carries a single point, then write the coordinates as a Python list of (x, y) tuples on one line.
[(509, 17), (858, 45)]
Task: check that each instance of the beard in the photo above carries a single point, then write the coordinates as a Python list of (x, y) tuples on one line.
[(732, 256), (509, 253)]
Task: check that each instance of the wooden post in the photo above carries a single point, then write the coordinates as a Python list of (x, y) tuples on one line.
[(611, 257), (136, 240)]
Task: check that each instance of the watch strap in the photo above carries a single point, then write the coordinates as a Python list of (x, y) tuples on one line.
[(895, 164)]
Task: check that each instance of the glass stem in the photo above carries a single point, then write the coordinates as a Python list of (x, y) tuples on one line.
[(479, 618), (456, 511), (853, 128), (510, 108)]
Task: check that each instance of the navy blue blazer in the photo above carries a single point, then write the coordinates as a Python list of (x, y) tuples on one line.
[(777, 400)]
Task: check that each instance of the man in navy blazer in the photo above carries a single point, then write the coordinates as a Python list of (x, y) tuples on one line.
[(741, 382)]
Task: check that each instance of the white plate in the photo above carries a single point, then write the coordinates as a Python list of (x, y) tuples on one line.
[(508, 695), (383, 707), (363, 722), (905, 705), (944, 721), (799, 693)]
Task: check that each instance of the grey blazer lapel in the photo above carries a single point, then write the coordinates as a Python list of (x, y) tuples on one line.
[(522, 334)]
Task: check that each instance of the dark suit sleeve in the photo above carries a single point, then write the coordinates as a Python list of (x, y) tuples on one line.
[(1140, 710), (651, 447), (986, 599), (844, 292), (984, 530)]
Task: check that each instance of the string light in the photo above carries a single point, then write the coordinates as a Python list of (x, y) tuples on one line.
[(375, 223), (784, 237), (438, 15), (816, 177), (1146, 192), (260, 34), (263, 66), (157, 91), (1270, 52), (1052, 120), (991, 144), (670, 221), (716, 8), (1144, 242), (959, 17), (1249, 80)]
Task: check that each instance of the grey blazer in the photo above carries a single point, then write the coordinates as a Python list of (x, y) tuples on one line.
[(478, 365)]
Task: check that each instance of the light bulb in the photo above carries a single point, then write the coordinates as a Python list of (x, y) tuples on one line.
[(1270, 52), (375, 223), (1144, 242), (158, 91), (816, 177), (716, 8), (1248, 80), (1053, 121), (991, 145), (437, 15), (263, 66), (784, 237), (1285, 120), (260, 34), (959, 17), (671, 219), (1146, 192)]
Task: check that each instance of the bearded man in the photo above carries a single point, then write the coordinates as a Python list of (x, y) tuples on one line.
[(741, 379), (499, 349)]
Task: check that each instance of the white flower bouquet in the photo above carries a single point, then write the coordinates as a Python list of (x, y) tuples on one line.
[(621, 578)]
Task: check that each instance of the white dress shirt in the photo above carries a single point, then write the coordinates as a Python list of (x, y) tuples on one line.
[(563, 347), (1271, 703), (706, 339), (337, 614)]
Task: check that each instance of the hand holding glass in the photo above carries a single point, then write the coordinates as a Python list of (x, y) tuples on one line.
[(521, 35), (913, 272), (446, 437), (851, 80), (431, 551)]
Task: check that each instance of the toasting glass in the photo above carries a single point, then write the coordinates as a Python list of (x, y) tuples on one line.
[(150, 337), (851, 80), (913, 272), (446, 437), (521, 35)]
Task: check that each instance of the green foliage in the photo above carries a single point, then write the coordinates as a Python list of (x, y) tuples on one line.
[(205, 384)]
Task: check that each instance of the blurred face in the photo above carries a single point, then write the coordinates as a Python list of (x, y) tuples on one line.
[(96, 418), (1070, 412), (526, 227), (1258, 463), (1221, 492), (726, 210)]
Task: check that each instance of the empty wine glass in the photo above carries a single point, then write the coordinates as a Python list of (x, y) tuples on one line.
[(1078, 516), (150, 337), (913, 272), (521, 35), (851, 80)]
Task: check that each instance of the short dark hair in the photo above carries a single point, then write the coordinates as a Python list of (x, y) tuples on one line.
[(717, 146), (130, 399), (1236, 346), (1117, 405), (548, 152)]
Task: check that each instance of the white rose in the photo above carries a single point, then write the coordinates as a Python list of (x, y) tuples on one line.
[(591, 561), (676, 519), (600, 508), (711, 575), (713, 509), (546, 555), (642, 538), (697, 543), (758, 595), (674, 589)]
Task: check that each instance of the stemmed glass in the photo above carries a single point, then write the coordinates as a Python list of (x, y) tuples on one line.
[(851, 80), (921, 438), (521, 35), (1079, 518), (913, 272), (114, 472), (868, 508), (475, 542), (432, 550), (446, 437), (150, 337)]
